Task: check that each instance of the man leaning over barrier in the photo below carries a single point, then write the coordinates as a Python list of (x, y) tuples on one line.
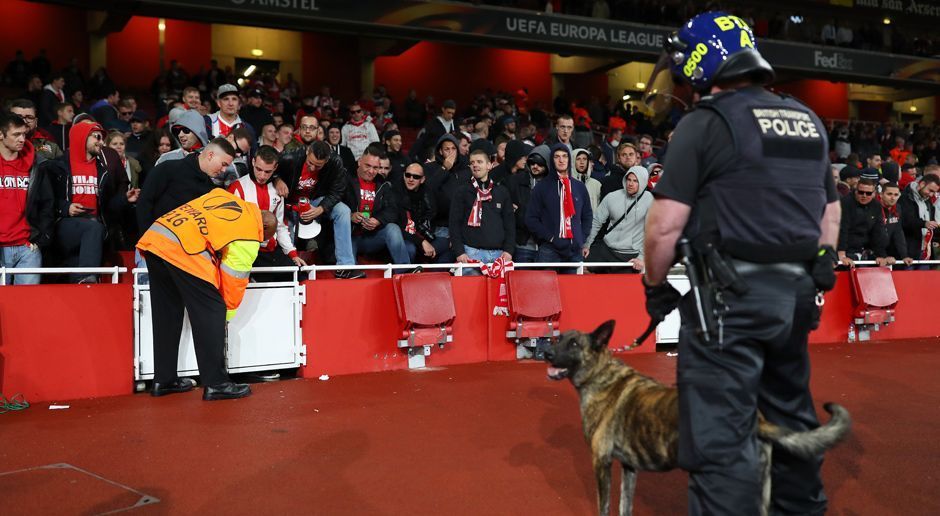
[(199, 256)]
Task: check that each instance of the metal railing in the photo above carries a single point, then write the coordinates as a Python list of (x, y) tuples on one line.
[(89, 271), (899, 263), (457, 269)]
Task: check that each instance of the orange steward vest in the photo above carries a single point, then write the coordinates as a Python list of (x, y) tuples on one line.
[(190, 236)]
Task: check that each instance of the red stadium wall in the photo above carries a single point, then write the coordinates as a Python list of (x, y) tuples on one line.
[(365, 341), (134, 53), (60, 342), (828, 99), (333, 60), (190, 43), (462, 72), (350, 327), (23, 24)]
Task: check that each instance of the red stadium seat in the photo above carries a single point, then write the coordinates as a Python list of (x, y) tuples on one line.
[(534, 307), (426, 313), (874, 298)]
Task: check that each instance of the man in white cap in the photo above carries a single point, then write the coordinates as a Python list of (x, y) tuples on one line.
[(226, 118)]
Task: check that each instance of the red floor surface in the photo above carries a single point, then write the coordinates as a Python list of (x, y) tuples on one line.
[(493, 438)]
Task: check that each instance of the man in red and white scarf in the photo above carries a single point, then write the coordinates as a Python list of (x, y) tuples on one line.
[(559, 212), (257, 188), (482, 222)]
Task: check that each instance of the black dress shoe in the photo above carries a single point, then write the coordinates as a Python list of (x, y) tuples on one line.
[(178, 385), (350, 274), (226, 391)]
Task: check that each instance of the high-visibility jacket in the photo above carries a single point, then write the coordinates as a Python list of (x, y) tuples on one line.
[(193, 236)]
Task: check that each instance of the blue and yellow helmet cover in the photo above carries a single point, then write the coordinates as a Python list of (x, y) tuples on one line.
[(699, 48)]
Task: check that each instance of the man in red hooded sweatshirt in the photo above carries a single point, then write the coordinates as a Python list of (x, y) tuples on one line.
[(90, 189), (26, 207)]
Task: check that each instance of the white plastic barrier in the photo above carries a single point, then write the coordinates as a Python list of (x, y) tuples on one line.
[(265, 334)]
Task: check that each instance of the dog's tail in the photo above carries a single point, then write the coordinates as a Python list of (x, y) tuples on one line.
[(810, 443)]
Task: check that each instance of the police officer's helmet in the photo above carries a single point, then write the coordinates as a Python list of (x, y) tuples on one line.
[(716, 46)]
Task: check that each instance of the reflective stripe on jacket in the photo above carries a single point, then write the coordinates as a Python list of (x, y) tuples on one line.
[(190, 236)]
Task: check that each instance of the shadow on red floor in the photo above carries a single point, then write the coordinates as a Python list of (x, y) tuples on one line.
[(495, 438)]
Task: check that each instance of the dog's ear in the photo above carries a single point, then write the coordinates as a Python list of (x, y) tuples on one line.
[(601, 335)]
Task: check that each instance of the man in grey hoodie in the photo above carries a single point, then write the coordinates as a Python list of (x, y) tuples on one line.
[(189, 129), (624, 239), (583, 169)]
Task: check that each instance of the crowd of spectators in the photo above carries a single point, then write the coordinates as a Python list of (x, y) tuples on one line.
[(888, 175), (403, 181), (407, 182)]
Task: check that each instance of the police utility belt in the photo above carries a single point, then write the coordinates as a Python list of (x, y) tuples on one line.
[(712, 275)]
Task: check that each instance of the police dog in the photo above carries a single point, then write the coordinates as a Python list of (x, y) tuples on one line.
[(635, 419)]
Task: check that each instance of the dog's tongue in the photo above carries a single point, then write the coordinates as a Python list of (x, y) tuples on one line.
[(556, 372)]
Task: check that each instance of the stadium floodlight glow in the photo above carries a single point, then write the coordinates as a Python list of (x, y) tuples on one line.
[(641, 86), (257, 52), (248, 71), (887, 21)]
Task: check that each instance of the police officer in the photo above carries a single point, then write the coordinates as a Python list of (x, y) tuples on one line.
[(747, 175)]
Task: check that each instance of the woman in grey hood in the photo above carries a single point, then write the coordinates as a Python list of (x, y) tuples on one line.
[(624, 211)]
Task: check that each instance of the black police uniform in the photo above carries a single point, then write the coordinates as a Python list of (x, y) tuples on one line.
[(753, 166)]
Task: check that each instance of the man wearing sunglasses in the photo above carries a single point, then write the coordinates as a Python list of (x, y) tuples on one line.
[(190, 132), (91, 191), (415, 213), (358, 132), (862, 232)]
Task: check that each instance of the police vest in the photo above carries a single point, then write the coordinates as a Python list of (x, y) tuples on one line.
[(767, 207)]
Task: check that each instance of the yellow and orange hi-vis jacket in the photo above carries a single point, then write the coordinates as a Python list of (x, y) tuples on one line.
[(190, 236)]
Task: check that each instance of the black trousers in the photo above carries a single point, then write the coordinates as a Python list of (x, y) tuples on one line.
[(601, 252), (761, 364), (171, 290), (81, 240)]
